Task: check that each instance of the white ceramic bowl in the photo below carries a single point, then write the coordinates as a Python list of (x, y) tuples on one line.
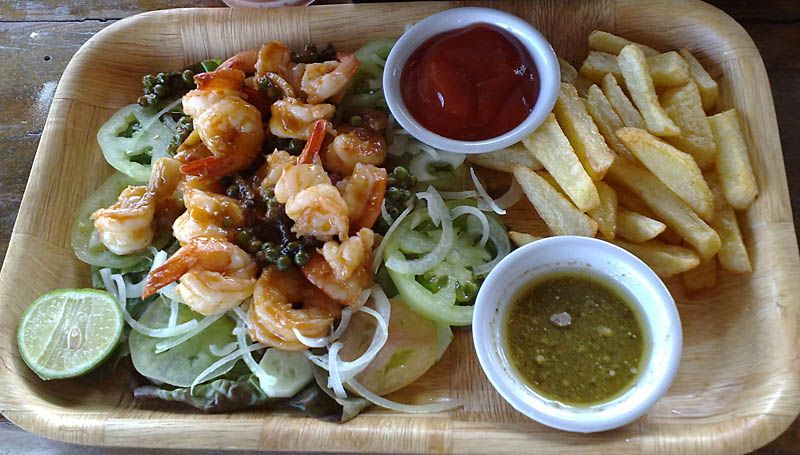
[(631, 277), (542, 53)]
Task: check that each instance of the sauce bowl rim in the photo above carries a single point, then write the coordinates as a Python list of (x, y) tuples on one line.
[(534, 42), (658, 315)]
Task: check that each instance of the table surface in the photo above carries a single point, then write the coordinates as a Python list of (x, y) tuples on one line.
[(38, 38)]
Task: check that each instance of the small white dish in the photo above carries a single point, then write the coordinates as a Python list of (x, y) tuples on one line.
[(614, 266), (542, 53)]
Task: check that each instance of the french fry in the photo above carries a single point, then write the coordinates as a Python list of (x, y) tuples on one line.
[(684, 107), (568, 72), (670, 236), (709, 90), (666, 70), (666, 205), (505, 159), (636, 227), (704, 276), (557, 211), (605, 214), (582, 132), (665, 259), (552, 181), (606, 119), (621, 103), (631, 202), (607, 42), (733, 163), (635, 71), (732, 254), (676, 169), (552, 148), (520, 238)]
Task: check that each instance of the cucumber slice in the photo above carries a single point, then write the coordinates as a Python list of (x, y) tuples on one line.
[(292, 370)]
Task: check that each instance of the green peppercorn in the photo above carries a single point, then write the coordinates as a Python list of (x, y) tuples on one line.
[(310, 48), (283, 263), (274, 93), (296, 146), (272, 253), (301, 258), (242, 237), (391, 181), (188, 76), (356, 120), (232, 191), (293, 246), (227, 221), (261, 258), (404, 194), (255, 245), (160, 90), (393, 193), (161, 78), (272, 203), (400, 173), (148, 81)]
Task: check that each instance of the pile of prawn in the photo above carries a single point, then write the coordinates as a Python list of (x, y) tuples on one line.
[(332, 193)]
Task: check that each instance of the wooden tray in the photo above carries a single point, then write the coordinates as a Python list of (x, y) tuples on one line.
[(738, 386)]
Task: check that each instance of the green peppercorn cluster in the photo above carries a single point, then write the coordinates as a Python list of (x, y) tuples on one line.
[(466, 291), (311, 54), (399, 191), (165, 86), (182, 131), (291, 146)]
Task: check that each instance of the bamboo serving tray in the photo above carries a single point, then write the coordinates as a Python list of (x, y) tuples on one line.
[(738, 386)]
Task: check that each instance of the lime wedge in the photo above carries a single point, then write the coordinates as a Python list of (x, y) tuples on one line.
[(68, 332)]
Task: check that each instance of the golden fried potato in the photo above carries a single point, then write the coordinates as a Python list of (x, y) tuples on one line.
[(607, 42), (520, 238), (733, 162), (582, 132), (668, 69), (552, 148), (636, 227), (684, 107), (733, 253), (607, 121), (709, 90), (676, 169), (665, 259), (666, 205), (636, 72), (568, 72), (621, 103), (605, 214), (505, 159), (702, 277), (555, 209)]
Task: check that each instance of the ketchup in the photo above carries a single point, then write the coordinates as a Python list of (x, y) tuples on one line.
[(470, 84)]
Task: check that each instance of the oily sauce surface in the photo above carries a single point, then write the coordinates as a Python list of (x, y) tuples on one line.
[(574, 339), (470, 84)]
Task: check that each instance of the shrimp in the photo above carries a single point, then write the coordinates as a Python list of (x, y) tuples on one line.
[(325, 80), (244, 61), (232, 130), (273, 57), (212, 87), (214, 275), (312, 202), (363, 193), (345, 292), (207, 214), (277, 161), (127, 226), (354, 145), (347, 257), (130, 224), (291, 118), (273, 314)]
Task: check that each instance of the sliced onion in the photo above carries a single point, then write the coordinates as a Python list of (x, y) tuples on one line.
[(173, 313), (439, 214), (115, 284), (385, 213), (511, 197), (135, 290), (501, 243), (419, 167), (470, 210), (202, 325), (334, 379), (220, 364), (377, 60), (377, 256), (458, 194), (451, 158), (158, 115), (399, 144), (311, 342), (263, 378), (243, 317), (484, 195), (347, 313), (400, 407), (223, 351), (170, 292)]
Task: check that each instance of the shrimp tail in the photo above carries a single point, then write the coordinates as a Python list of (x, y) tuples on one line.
[(372, 209), (243, 61), (168, 272), (310, 153), (210, 166)]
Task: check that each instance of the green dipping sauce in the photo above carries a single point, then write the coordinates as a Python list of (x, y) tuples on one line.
[(574, 339)]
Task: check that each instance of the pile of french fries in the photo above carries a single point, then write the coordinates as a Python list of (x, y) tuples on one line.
[(631, 151)]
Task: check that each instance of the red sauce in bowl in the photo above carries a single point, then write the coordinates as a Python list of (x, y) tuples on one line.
[(470, 84)]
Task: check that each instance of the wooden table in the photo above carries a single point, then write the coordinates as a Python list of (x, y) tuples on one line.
[(38, 38)]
